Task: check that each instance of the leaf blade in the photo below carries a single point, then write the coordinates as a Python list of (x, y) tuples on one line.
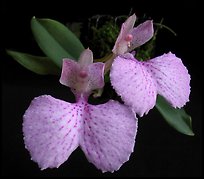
[(56, 40), (176, 118), (36, 64)]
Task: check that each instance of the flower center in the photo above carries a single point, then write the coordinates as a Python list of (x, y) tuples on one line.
[(83, 74), (129, 38)]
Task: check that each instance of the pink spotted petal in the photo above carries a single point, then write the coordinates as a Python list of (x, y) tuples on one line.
[(109, 133), (69, 73), (120, 46), (50, 130), (173, 80), (141, 34), (133, 83)]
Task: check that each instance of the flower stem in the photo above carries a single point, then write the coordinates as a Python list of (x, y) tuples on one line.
[(109, 62)]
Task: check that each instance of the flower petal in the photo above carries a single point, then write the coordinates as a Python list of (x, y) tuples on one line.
[(120, 46), (96, 76), (141, 34), (126, 27), (129, 24), (173, 80), (108, 135), (133, 83), (69, 73), (86, 58), (50, 130)]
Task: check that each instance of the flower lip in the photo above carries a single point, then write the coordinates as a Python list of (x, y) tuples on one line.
[(164, 75)]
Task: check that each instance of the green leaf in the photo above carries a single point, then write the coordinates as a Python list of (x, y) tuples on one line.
[(39, 65), (56, 40), (177, 118)]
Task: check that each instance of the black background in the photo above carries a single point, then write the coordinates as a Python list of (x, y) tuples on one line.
[(159, 150)]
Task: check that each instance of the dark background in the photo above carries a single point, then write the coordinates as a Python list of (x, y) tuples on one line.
[(159, 150)]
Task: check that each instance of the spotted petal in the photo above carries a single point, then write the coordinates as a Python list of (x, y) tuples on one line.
[(173, 80), (134, 84), (141, 34), (109, 132), (50, 130)]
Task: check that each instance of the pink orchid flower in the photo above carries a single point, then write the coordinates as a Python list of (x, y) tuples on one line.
[(53, 128), (138, 83), (130, 38)]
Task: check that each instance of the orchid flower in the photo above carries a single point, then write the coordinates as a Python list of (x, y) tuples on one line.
[(138, 83), (129, 38), (53, 128)]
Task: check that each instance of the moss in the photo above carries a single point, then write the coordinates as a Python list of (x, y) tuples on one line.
[(103, 38)]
